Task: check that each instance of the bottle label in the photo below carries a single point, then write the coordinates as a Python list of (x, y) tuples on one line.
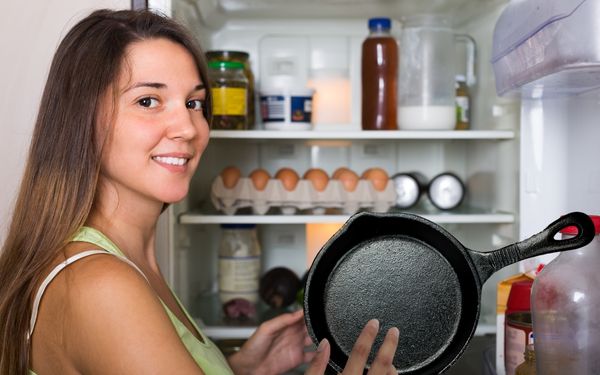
[(229, 101), (462, 109), (239, 274), (301, 108), (272, 108)]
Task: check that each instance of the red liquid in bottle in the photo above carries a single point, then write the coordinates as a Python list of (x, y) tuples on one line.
[(379, 80)]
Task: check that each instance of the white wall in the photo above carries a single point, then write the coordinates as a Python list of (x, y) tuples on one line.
[(29, 34)]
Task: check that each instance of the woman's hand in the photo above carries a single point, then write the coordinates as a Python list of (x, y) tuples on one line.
[(382, 365), (277, 346)]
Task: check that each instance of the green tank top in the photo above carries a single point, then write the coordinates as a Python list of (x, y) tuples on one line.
[(206, 354)]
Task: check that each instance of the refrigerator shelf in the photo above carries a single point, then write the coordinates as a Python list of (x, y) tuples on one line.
[(364, 135), (460, 216)]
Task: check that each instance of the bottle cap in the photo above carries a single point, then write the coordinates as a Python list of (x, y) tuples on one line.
[(573, 230), (225, 65), (519, 297), (380, 23), (460, 78)]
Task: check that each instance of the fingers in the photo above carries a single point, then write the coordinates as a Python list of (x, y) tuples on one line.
[(362, 348), (319, 362), (385, 356), (282, 321)]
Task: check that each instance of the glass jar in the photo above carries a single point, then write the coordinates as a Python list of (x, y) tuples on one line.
[(229, 89), (239, 263), (566, 310), (244, 58)]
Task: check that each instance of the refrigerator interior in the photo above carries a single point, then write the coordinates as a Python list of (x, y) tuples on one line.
[(320, 37)]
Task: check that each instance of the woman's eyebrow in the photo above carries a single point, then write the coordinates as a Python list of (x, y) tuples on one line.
[(155, 85)]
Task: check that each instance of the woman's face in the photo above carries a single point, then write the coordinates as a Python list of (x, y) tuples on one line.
[(160, 131)]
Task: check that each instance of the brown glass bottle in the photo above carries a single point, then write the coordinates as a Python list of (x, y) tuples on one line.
[(379, 77)]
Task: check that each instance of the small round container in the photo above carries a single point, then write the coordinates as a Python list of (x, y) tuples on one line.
[(283, 109), (409, 188), (446, 191)]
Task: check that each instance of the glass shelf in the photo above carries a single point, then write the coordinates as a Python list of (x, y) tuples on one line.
[(462, 215), (364, 135)]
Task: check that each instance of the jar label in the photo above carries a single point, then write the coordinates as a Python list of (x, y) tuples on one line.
[(239, 274), (229, 101)]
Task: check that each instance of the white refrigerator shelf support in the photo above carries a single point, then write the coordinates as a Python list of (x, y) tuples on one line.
[(364, 135)]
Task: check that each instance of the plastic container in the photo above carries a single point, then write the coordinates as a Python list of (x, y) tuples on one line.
[(229, 89), (244, 58), (409, 188), (239, 263), (566, 310), (286, 109), (426, 91), (446, 191), (379, 74), (517, 325), (551, 47)]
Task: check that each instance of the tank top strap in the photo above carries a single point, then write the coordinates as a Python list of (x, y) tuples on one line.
[(56, 270)]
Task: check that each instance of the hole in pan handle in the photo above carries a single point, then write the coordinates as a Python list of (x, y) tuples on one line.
[(539, 244)]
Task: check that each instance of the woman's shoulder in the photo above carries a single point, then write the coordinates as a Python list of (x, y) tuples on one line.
[(106, 310)]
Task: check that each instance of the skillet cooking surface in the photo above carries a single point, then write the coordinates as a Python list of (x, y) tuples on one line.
[(403, 282)]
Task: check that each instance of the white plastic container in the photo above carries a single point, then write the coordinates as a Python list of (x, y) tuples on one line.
[(286, 109), (566, 311), (554, 45)]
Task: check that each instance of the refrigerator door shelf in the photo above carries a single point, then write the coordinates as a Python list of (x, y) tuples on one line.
[(544, 48)]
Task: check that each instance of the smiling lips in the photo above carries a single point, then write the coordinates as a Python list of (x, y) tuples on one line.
[(170, 160)]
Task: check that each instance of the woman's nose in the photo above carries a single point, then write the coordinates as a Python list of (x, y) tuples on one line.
[(182, 125)]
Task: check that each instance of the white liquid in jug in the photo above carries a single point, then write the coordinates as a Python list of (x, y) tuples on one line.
[(432, 117)]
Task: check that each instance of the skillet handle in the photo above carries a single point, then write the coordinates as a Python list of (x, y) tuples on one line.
[(542, 243)]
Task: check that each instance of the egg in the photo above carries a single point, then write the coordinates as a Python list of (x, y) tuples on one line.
[(348, 178), (288, 177), (230, 176), (378, 177), (317, 177), (337, 172), (259, 178)]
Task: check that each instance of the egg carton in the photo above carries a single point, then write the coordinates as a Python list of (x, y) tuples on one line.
[(303, 197)]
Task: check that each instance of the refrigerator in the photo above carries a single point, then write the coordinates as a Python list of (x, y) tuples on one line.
[(528, 157)]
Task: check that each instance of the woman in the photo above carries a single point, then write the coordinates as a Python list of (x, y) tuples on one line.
[(120, 131)]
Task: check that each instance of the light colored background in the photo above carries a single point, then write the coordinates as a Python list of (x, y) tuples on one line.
[(29, 35)]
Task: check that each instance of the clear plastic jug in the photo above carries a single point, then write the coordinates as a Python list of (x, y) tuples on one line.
[(426, 84)]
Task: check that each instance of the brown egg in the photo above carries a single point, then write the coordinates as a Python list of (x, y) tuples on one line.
[(348, 178), (230, 176), (317, 177), (259, 178), (289, 178), (337, 172), (377, 176)]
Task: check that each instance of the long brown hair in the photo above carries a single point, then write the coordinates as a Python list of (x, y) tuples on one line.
[(60, 180)]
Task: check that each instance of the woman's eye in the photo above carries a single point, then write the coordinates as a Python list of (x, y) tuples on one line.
[(196, 105), (148, 102)]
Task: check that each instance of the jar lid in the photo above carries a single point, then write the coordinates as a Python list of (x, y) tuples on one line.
[(573, 230), (225, 65), (238, 226), (226, 55)]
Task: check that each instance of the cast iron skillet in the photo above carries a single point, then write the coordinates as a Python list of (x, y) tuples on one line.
[(410, 273)]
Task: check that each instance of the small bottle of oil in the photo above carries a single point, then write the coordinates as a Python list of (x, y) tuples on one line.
[(528, 366), (462, 103)]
